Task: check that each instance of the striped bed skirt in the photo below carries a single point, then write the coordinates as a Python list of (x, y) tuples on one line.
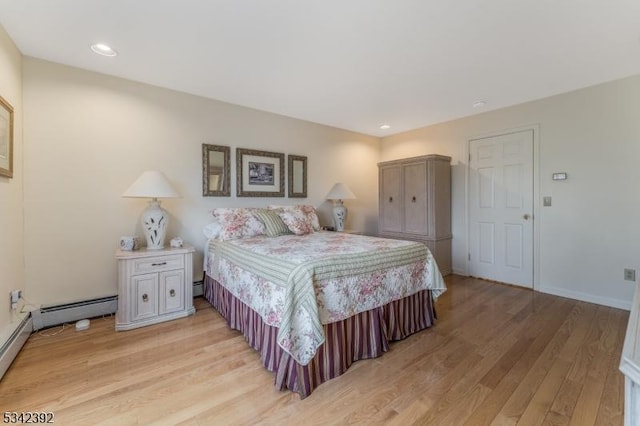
[(362, 336)]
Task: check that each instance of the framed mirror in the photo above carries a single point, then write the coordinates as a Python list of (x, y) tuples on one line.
[(297, 174), (216, 171)]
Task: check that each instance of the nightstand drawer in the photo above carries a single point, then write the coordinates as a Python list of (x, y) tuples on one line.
[(158, 264)]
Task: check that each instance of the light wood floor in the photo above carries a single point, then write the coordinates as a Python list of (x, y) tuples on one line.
[(497, 355)]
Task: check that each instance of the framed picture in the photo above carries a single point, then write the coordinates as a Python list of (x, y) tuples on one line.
[(216, 165), (259, 173), (297, 176), (6, 139)]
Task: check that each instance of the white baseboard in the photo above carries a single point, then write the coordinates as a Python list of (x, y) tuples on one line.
[(577, 295), (11, 348), (461, 272), (586, 297)]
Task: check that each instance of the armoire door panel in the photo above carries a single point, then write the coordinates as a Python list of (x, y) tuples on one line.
[(415, 198), (391, 199)]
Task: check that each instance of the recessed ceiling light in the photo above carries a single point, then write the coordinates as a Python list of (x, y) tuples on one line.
[(479, 104), (385, 127), (103, 49)]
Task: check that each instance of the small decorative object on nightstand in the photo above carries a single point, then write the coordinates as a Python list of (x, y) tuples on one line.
[(154, 286), (340, 192), (155, 220), (129, 243)]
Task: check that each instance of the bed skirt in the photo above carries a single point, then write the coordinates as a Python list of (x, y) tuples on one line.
[(362, 336)]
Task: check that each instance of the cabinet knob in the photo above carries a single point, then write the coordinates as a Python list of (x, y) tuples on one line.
[(413, 199), (391, 199), (172, 293), (145, 297)]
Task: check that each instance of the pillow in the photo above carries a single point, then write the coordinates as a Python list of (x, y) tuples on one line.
[(309, 211), (296, 221), (213, 229), (273, 223), (238, 223)]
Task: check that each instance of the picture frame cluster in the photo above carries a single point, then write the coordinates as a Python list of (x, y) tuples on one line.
[(258, 173)]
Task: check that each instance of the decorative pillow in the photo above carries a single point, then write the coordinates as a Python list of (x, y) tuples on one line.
[(213, 229), (273, 223), (296, 221), (309, 211), (238, 223)]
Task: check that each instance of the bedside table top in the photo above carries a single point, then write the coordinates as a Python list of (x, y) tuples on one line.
[(144, 252), (351, 231)]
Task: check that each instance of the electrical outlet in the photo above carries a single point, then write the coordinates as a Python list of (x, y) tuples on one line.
[(15, 296), (546, 201), (629, 274)]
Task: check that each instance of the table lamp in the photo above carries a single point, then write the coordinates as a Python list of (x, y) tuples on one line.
[(153, 184), (340, 192)]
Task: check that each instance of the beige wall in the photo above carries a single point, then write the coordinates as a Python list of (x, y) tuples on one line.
[(11, 203), (88, 137), (591, 232)]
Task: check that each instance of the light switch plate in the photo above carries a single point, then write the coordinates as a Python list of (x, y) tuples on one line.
[(546, 201)]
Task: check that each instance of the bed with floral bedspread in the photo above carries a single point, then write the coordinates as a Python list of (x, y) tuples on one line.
[(308, 296)]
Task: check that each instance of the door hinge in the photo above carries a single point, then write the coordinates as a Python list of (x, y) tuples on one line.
[(469, 256)]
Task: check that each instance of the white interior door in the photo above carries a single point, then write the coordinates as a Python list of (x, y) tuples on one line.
[(501, 208)]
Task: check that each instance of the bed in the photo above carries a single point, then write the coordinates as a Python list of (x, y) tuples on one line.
[(313, 304)]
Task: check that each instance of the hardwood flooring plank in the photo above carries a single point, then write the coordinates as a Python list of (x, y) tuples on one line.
[(611, 411), (497, 354), (549, 369)]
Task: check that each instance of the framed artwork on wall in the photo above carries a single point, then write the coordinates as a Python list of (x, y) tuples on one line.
[(216, 170), (6, 139), (259, 173), (297, 176)]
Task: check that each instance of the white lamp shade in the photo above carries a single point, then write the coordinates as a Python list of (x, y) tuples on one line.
[(340, 191), (151, 184)]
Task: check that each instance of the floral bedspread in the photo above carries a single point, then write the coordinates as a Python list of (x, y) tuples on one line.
[(298, 283)]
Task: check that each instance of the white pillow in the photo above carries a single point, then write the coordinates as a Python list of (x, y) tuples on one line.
[(212, 230)]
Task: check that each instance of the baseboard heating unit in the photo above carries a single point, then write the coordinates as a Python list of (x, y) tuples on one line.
[(49, 316), (197, 289), (12, 346)]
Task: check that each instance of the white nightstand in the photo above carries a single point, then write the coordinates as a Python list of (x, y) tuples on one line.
[(154, 286)]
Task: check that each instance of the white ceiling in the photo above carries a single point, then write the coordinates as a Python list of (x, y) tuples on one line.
[(352, 64)]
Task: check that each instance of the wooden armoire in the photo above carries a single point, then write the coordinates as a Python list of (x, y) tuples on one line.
[(415, 203)]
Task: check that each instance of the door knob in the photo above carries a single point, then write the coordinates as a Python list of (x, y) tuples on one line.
[(526, 216)]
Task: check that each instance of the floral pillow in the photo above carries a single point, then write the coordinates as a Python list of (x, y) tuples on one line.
[(296, 221), (307, 210), (238, 223)]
